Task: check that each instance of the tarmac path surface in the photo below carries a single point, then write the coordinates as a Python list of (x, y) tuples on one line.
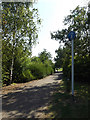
[(31, 100)]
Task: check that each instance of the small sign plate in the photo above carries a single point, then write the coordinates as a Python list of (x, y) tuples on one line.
[(71, 35)]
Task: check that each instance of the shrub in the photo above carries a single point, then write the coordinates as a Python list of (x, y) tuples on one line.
[(40, 70), (37, 70), (81, 68), (27, 75)]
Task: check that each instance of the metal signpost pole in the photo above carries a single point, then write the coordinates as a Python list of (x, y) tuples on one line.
[(71, 37), (73, 68)]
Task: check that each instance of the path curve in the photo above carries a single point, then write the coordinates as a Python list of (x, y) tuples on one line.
[(32, 100)]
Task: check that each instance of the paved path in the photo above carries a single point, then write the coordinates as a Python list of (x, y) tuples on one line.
[(31, 101)]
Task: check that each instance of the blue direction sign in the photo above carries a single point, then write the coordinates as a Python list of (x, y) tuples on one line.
[(71, 35)]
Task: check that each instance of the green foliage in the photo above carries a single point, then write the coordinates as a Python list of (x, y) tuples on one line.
[(44, 56), (27, 69), (27, 76), (89, 13), (63, 106), (37, 70), (20, 25), (82, 68), (49, 67), (76, 21)]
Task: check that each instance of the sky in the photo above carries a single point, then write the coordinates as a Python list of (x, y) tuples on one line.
[(52, 13)]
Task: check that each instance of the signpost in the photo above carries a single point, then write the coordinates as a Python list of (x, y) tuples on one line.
[(71, 37)]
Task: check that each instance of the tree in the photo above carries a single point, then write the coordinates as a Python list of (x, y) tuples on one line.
[(35, 59), (76, 21), (19, 30), (44, 56), (59, 57), (89, 14)]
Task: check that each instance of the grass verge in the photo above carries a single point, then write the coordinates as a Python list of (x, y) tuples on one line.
[(63, 106), (61, 69)]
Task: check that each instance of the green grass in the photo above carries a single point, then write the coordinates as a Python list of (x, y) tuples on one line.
[(13, 83), (63, 105), (61, 69)]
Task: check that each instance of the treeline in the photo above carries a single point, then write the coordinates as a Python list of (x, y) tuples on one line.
[(77, 21), (29, 68), (20, 26)]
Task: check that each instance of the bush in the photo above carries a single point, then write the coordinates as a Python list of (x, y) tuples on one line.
[(81, 68), (28, 70), (27, 75), (37, 70), (49, 70), (40, 70), (67, 84), (5, 78)]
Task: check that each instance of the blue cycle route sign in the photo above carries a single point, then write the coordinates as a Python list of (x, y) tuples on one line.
[(71, 35)]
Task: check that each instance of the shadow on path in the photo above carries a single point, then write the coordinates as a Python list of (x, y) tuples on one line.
[(25, 103), (58, 75)]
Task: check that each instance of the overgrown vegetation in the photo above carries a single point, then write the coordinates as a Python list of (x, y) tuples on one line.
[(78, 22), (63, 105), (20, 26)]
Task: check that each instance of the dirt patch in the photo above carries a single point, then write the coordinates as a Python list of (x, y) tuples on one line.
[(16, 86), (29, 100)]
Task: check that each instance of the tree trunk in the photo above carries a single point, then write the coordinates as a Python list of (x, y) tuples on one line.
[(12, 61), (11, 70), (13, 48)]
